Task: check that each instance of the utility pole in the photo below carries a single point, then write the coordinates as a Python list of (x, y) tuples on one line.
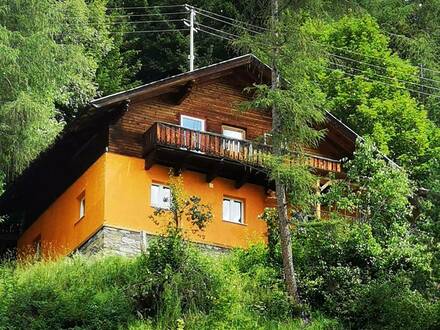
[(192, 17)]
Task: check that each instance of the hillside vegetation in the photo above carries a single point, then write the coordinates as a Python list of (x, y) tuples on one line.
[(348, 278)]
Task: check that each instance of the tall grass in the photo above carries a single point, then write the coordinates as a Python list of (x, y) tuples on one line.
[(172, 287)]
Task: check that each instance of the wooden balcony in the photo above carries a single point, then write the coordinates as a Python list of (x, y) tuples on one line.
[(215, 154)]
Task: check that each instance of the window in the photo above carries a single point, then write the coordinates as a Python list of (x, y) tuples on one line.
[(82, 205), (232, 210), (160, 196), (196, 124), (193, 142), (235, 134)]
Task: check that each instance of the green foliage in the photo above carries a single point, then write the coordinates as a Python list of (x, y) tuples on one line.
[(174, 280), (73, 293), (365, 98), (49, 57), (378, 192), (172, 286)]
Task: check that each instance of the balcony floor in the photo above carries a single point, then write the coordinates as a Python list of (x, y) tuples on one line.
[(212, 166)]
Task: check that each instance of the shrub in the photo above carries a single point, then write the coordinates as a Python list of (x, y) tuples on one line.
[(393, 305), (174, 279)]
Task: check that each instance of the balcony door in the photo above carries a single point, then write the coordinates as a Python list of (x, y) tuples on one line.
[(234, 135), (192, 139)]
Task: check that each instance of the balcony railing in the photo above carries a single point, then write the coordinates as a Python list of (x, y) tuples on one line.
[(217, 145)]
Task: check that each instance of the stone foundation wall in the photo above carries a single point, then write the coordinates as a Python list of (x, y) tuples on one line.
[(123, 242)]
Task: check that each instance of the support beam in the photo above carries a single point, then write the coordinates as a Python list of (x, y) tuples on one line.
[(241, 181), (184, 92), (181, 165), (150, 159), (213, 173)]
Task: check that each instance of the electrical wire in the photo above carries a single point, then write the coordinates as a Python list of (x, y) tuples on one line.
[(146, 15), (228, 18), (242, 25), (377, 66), (387, 77), (215, 35), (229, 23), (149, 31), (370, 56), (381, 82), (217, 30), (144, 7), (149, 21)]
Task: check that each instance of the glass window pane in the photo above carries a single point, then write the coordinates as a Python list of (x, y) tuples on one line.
[(166, 198), (155, 195), (192, 123), (82, 208), (236, 211), (233, 134), (226, 213)]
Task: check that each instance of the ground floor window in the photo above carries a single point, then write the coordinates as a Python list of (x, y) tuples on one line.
[(232, 210), (160, 196)]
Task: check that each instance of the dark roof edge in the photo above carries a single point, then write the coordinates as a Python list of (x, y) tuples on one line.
[(120, 96)]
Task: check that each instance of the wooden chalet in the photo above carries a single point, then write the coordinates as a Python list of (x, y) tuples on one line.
[(96, 186)]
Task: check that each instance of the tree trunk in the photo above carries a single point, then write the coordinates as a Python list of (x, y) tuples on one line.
[(283, 219)]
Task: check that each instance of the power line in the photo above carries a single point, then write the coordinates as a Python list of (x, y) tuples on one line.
[(149, 31), (387, 77), (380, 82), (151, 14), (149, 21), (217, 30), (144, 7), (379, 67), (215, 35), (229, 18), (226, 22), (370, 56)]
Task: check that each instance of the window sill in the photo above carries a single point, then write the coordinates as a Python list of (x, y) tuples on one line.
[(158, 208), (235, 223), (79, 220)]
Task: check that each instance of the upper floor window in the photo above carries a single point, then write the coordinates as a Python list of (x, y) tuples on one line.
[(234, 132), (232, 210), (160, 196), (82, 205), (193, 123)]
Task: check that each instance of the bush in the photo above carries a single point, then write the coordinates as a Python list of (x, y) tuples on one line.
[(393, 305), (174, 279), (345, 272)]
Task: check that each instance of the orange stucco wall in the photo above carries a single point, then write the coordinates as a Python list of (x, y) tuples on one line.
[(117, 192), (59, 226), (127, 202)]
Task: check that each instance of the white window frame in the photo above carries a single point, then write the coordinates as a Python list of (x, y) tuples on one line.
[(193, 118), (233, 129), (165, 205), (81, 206), (233, 145), (228, 217)]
